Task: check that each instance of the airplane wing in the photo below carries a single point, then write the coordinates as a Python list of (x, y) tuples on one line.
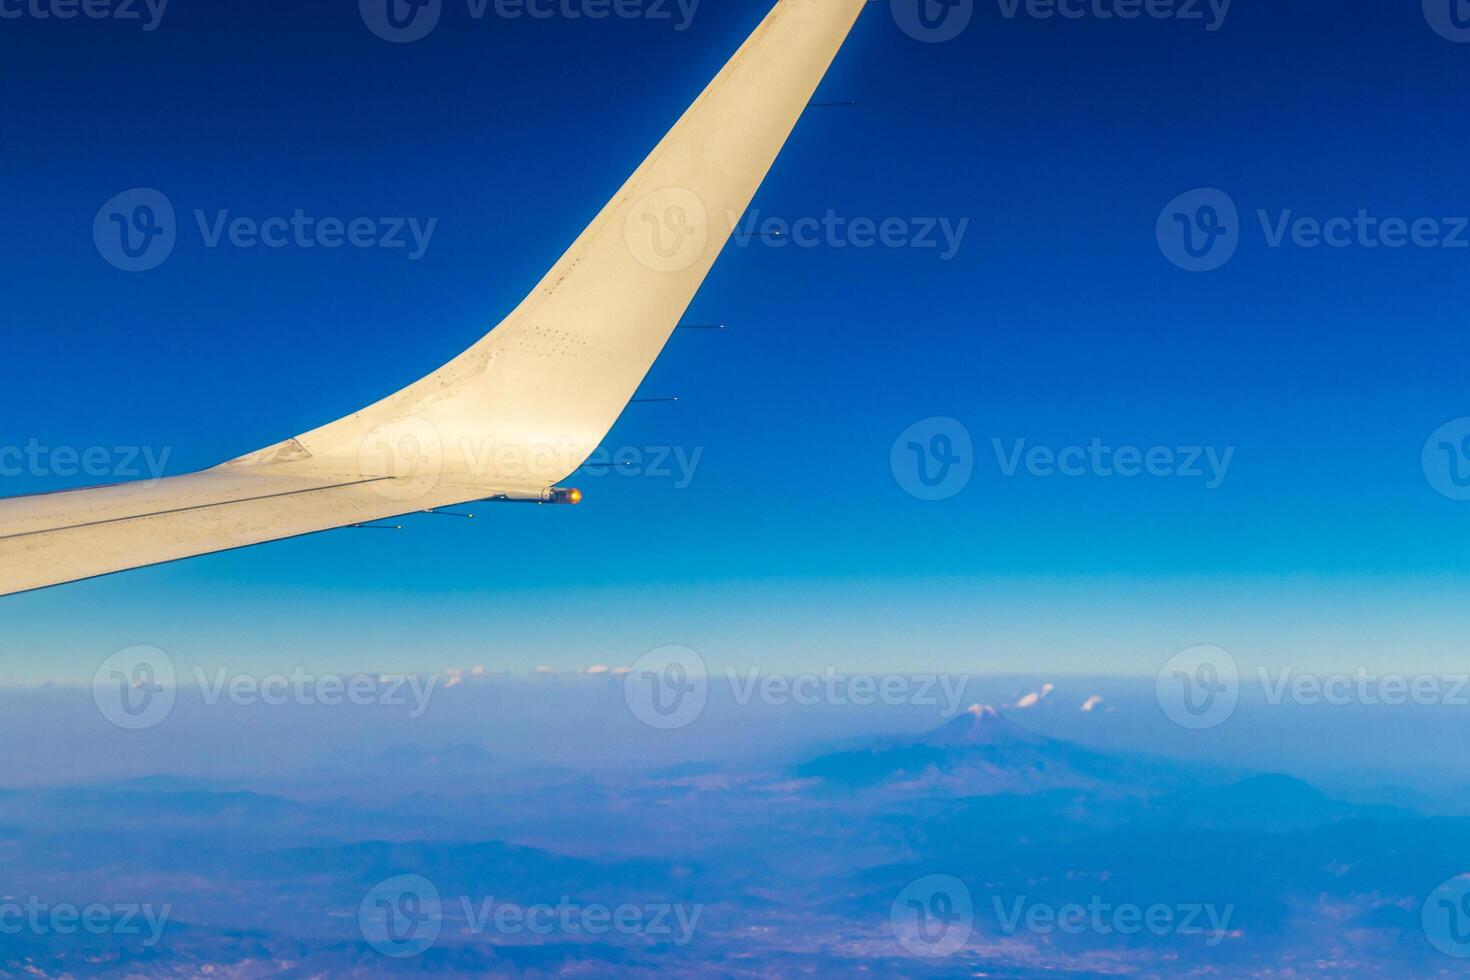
[(524, 407)]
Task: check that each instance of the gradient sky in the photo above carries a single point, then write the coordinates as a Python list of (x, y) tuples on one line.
[(1059, 320)]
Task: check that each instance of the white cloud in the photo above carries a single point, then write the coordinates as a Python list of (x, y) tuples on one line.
[(1036, 697)]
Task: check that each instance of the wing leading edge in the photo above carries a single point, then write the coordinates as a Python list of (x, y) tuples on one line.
[(521, 409)]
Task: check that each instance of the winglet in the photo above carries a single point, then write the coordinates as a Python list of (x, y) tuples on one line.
[(533, 399)]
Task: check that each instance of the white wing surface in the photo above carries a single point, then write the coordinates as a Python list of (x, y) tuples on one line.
[(520, 410)]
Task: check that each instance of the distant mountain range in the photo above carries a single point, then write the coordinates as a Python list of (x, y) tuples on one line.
[(981, 751), (796, 868)]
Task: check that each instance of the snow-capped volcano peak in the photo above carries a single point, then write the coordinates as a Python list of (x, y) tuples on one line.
[(979, 724)]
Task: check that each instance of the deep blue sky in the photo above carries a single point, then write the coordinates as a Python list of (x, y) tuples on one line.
[(1059, 320)]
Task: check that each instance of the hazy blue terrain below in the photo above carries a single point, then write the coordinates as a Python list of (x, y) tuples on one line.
[(537, 827)]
